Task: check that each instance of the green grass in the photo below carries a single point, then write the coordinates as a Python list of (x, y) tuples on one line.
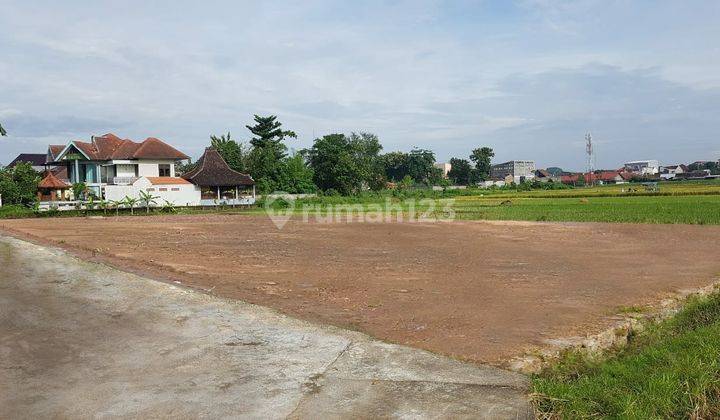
[(15, 212), (685, 209), (672, 370), (694, 209)]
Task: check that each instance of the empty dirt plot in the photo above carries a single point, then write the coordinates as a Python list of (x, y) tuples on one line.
[(479, 291)]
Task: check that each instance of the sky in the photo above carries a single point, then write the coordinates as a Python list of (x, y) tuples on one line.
[(528, 78)]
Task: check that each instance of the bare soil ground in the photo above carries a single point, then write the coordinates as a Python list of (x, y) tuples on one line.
[(478, 291)]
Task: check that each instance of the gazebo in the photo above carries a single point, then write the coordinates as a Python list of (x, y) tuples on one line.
[(218, 183), (51, 188)]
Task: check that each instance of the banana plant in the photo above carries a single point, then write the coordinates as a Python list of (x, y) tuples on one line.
[(169, 207), (130, 201), (115, 204), (147, 199)]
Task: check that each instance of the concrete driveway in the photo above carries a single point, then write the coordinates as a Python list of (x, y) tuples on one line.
[(80, 340)]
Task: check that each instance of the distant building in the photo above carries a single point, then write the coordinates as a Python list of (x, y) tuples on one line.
[(671, 171), (543, 175), (444, 167), (519, 170), (643, 167)]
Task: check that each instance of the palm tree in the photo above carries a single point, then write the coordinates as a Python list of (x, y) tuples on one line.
[(2, 131), (130, 201), (147, 199)]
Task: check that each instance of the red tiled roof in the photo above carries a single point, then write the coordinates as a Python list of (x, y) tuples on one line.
[(109, 147), (166, 180), (55, 149), (52, 182)]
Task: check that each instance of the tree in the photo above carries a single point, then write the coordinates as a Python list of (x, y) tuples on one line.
[(395, 165), (298, 176), (183, 168), (235, 154), (268, 152), (365, 149), (421, 167), (460, 171), (333, 165), (482, 158), (79, 189), (2, 131), (19, 184), (346, 164)]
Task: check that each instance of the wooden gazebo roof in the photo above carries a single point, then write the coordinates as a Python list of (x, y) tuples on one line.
[(213, 171), (52, 182)]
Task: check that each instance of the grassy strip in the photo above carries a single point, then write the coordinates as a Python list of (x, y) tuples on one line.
[(22, 212), (672, 370), (697, 209)]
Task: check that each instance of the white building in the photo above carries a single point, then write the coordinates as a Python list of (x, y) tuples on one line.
[(643, 167), (114, 169), (520, 170), (109, 163), (445, 168)]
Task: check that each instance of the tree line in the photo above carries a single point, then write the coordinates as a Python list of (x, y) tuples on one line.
[(336, 163)]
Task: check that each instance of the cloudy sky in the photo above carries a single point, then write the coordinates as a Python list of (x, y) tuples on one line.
[(527, 78)]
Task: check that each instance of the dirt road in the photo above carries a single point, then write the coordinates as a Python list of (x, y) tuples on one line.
[(82, 340), (478, 291)]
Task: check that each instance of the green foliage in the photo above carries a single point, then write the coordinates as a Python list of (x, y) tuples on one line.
[(460, 171), (79, 189), (15, 211), (419, 164), (298, 176), (482, 158), (2, 131), (669, 371), (266, 159), (147, 200), (130, 202), (345, 164), (421, 167), (235, 154), (18, 185), (183, 168)]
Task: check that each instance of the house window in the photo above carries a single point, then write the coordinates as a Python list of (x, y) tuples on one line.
[(150, 189), (164, 169), (174, 189), (163, 189)]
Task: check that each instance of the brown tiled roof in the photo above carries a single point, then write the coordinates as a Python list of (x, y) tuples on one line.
[(110, 146), (213, 171), (52, 182), (153, 148), (166, 180), (55, 149), (33, 159)]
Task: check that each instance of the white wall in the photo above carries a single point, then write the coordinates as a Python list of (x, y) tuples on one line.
[(150, 167)]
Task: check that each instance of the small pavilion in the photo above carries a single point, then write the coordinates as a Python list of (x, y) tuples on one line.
[(52, 188), (218, 182)]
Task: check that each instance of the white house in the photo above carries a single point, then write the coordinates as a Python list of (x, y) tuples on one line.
[(643, 167), (109, 165)]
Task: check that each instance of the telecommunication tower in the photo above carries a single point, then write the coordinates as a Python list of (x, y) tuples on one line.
[(590, 158)]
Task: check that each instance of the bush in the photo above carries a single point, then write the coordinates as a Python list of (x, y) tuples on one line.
[(19, 184)]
